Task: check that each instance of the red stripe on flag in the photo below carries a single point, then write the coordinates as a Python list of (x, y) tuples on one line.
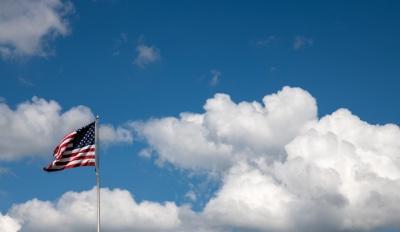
[(60, 163)]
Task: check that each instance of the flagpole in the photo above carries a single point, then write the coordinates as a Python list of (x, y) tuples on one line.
[(97, 170)]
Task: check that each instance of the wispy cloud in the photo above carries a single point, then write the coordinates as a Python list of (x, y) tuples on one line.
[(300, 42), (264, 42), (215, 77), (146, 54), (4, 170), (26, 82), (119, 42)]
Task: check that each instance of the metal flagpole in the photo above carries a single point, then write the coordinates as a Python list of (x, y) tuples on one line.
[(97, 170)]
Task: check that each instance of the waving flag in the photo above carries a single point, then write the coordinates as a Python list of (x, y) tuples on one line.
[(75, 149)]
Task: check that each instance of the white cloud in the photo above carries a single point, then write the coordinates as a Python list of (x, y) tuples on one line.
[(76, 211), (120, 212), (301, 42), (359, 167), (228, 132), (183, 142), (109, 134), (27, 26), (281, 168), (249, 199), (35, 127), (215, 77), (146, 55), (343, 172), (278, 161), (8, 224)]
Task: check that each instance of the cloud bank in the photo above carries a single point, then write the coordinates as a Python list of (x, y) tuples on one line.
[(277, 160), (34, 127), (281, 169), (76, 211), (27, 26)]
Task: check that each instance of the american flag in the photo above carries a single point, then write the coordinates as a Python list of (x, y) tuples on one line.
[(75, 149)]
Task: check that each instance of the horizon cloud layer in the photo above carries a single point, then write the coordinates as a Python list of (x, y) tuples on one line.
[(275, 161)]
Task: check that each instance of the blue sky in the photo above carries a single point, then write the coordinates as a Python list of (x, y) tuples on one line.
[(134, 61)]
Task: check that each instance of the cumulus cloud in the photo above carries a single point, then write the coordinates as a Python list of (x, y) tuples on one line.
[(352, 167), (76, 211), (27, 26), (146, 55), (301, 42), (110, 134), (34, 128), (249, 199), (282, 168), (8, 224), (228, 132), (341, 174)]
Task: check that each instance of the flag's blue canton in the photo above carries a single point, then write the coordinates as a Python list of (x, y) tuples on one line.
[(84, 137)]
